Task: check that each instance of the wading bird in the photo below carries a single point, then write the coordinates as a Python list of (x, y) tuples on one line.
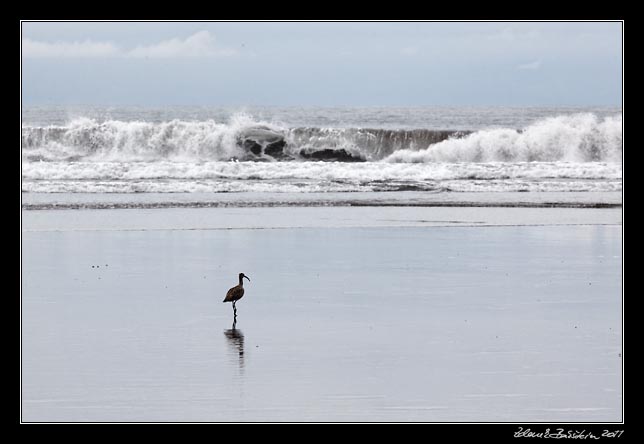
[(236, 293)]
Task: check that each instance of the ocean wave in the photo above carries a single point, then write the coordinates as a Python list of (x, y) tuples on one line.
[(89, 140), (575, 138)]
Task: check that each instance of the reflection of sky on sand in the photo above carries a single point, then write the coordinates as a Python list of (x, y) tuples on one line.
[(346, 324)]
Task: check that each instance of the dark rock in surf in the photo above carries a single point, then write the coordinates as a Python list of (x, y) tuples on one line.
[(276, 149), (339, 155), (252, 146), (262, 141)]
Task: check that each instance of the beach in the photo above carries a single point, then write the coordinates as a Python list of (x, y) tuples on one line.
[(434, 314), (412, 264), (429, 215)]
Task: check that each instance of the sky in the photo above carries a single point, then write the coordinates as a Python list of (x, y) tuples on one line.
[(322, 63)]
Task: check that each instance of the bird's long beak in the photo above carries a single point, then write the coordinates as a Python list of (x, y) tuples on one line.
[(247, 278)]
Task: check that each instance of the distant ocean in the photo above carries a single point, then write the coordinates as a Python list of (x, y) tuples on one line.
[(103, 151)]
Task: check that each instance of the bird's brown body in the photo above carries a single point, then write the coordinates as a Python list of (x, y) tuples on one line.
[(237, 292), (234, 294)]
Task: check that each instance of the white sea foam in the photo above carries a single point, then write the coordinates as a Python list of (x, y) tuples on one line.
[(136, 141), (367, 171), (573, 138), (169, 176)]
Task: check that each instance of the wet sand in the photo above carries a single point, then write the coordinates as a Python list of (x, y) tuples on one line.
[(466, 320)]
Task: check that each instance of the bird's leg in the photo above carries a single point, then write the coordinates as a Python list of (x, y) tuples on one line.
[(234, 313)]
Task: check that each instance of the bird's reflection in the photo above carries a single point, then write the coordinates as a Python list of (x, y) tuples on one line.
[(235, 339)]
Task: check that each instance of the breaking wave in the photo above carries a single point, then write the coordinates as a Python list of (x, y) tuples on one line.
[(578, 152), (574, 138)]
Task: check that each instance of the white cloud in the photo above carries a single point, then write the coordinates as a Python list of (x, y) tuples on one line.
[(88, 48), (200, 44), (530, 66)]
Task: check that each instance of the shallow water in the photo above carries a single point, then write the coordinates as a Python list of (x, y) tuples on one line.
[(347, 324)]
